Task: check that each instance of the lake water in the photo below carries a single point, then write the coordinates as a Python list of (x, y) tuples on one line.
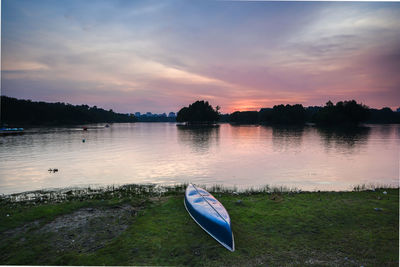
[(307, 158)]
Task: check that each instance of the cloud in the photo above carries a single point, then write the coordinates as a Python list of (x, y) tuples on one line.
[(237, 55), (25, 66)]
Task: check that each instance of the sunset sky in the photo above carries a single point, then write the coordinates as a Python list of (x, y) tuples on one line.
[(158, 56)]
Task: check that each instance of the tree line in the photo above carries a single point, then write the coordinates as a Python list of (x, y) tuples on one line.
[(27, 112), (342, 113)]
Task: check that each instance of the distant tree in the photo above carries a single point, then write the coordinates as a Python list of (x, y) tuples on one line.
[(343, 113), (199, 112), (15, 111), (347, 112), (311, 111), (244, 117), (224, 118), (384, 115), (265, 115), (283, 114), (288, 114)]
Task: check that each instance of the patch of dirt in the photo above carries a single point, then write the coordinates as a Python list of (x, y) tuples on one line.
[(276, 197), (84, 230), (88, 229)]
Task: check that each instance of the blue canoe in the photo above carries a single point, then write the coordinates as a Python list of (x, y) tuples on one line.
[(210, 215)]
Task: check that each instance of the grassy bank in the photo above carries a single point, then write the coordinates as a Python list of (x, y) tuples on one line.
[(148, 225)]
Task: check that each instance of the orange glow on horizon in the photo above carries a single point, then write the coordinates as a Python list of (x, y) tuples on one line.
[(257, 104), (245, 108)]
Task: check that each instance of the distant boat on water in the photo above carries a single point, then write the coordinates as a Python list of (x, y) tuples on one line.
[(11, 130)]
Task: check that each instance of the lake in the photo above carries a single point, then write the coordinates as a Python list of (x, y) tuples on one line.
[(306, 158)]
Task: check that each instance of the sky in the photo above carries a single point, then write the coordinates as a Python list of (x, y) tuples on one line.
[(158, 56)]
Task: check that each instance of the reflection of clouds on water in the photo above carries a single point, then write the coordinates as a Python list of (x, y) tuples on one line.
[(386, 131), (199, 138), (344, 140), (286, 138), (307, 157)]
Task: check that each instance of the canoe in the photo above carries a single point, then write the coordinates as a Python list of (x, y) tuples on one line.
[(210, 215)]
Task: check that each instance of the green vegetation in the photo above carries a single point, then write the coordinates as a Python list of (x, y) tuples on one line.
[(200, 112), (148, 225), (27, 112)]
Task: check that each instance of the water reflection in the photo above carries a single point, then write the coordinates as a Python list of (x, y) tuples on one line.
[(305, 157), (199, 138), (346, 139), (386, 132), (286, 137)]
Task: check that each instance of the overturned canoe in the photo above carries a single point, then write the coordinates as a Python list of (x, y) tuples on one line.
[(210, 215)]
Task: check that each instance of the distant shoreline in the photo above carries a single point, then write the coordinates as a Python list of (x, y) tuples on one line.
[(17, 112)]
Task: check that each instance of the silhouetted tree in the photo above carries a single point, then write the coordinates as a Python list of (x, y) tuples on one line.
[(384, 115), (15, 111), (283, 114), (244, 117), (224, 118), (347, 112), (200, 112), (311, 111), (344, 112)]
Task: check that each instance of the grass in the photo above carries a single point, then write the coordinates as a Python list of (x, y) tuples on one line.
[(272, 226)]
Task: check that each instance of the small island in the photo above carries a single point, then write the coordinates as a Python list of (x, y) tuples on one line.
[(198, 113)]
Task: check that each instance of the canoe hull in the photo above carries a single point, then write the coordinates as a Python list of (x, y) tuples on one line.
[(210, 215)]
